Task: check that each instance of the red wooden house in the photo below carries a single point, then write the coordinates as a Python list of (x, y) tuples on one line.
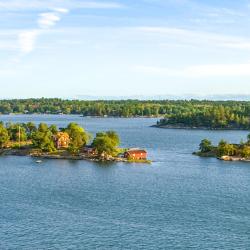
[(136, 154)]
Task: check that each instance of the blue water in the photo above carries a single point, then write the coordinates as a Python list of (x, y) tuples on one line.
[(179, 202)]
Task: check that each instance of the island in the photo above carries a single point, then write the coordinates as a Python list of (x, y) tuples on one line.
[(71, 142), (225, 151), (210, 116)]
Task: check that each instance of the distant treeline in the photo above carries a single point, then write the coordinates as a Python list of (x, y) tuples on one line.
[(193, 113)]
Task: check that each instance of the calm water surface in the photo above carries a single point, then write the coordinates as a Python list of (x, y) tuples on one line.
[(179, 202)]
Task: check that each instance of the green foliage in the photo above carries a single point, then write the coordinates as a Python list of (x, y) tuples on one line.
[(132, 160), (211, 115), (30, 128), (53, 128), (206, 146), (106, 143), (248, 139), (17, 132), (78, 137), (42, 138), (114, 137), (225, 148), (245, 152), (193, 113), (4, 136)]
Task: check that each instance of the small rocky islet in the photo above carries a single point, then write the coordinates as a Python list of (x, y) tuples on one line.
[(225, 151)]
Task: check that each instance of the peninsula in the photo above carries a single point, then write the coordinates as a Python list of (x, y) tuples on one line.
[(210, 116)]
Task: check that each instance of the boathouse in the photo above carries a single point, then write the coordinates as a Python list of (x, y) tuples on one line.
[(136, 154)]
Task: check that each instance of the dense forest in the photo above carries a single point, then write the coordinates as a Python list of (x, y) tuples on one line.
[(210, 115), (182, 113)]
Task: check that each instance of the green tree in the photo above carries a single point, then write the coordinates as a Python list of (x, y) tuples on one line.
[(78, 137), (43, 138), (17, 132), (245, 152), (106, 143), (114, 137), (4, 136), (30, 128), (226, 149), (248, 139), (53, 128), (205, 146)]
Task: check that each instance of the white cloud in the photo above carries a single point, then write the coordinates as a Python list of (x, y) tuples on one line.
[(47, 20), (61, 10), (27, 39), (52, 4), (199, 71)]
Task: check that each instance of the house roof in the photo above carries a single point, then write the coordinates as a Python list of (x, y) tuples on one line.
[(60, 135), (136, 151)]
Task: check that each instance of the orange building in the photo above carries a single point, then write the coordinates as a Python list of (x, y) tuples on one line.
[(62, 140)]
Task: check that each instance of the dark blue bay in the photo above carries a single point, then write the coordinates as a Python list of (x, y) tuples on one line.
[(178, 202)]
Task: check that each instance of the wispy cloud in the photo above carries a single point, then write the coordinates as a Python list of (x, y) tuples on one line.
[(52, 4), (46, 20), (210, 70), (27, 39), (49, 19)]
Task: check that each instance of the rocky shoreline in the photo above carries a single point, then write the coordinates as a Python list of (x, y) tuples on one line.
[(233, 158), (222, 158), (64, 156), (194, 128)]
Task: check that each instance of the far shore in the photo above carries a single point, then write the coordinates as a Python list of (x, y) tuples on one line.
[(196, 128), (79, 115)]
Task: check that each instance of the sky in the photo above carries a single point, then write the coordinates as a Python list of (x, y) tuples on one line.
[(70, 48)]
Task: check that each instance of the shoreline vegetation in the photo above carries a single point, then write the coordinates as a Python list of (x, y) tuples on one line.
[(176, 111), (225, 151), (178, 126), (208, 118), (174, 114), (71, 143)]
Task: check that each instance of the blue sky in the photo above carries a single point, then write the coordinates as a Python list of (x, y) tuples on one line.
[(68, 48)]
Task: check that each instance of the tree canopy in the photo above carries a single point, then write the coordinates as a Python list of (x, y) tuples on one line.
[(51, 139), (78, 137), (42, 138), (226, 149), (205, 146), (4, 136), (106, 143), (213, 116), (190, 113)]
